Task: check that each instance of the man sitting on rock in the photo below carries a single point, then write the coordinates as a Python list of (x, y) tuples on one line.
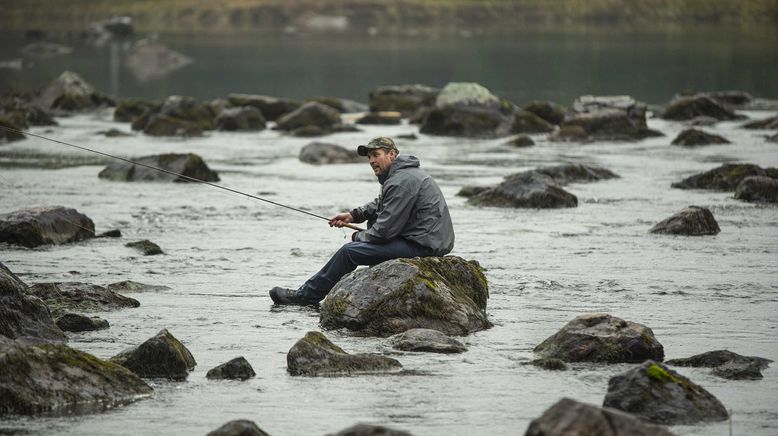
[(408, 219)]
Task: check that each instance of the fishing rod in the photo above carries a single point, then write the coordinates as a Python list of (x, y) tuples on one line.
[(187, 178)]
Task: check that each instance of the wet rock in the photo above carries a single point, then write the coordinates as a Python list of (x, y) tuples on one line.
[(163, 125), (759, 189), (74, 322), (738, 370), (22, 315), (162, 356), (443, 293), (16, 108), (611, 118), (236, 369), (521, 141), (341, 105), (69, 93), (693, 137), (315, 355), (130, 286), (187, 109), (472, 191), (272, 108), (691, 221), (600, 337), (116, 233), (130, 109), (405, 99), (656, 393), (45, 225), (149, 60), (146, 247), (687, 108), (731, 97), (190, 165), (550, 364), (426, 340), (239, 427), (767, 124), (716, 358), (45, 50), (370, 430), (549, 111), (241, 118), (570, 417), (80, 297), (528, 122), (577, 173), (114, 133), (723, 178), (320, 153), (528, 189), (309, 114), (381, 118), (10, 135), (54, 378), (469, 110)]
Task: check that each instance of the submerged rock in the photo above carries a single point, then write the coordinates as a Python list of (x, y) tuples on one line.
[(190, 165), (448, 294), (146, 247), (691, 221), (619, 118), (54, 378), (738, 370), (521, 141), (321, 153), (162, 356), (272, 108), (80, 297), (310, 114), (74, 322), (759, 189), (723, 178), (716, 358), (70, 92), (405, 99), (529, 189), (131, 286), (549, 111), (369, 430), (239, 427), (469, 110), (241, 118), (577, 173), (315, 355), (693, 137), (656, 393), (236, 369), (766, 124), (45, 225), (426, 340), (22, 315), (551, 364), (600, 337), (687, 108), (570, 417)]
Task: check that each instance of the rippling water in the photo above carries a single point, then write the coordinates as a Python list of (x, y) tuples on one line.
[(223, 252)]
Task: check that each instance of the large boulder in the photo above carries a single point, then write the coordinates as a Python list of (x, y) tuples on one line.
[(236, 369), (162, 356), (321, 153), (656, 393), (70, 92), (549, 111), (190, 165), (16, 108), (272, 108), (443, 293), (241, 118), (570, 417), (694, 137), (600, 337), (723, 178), (80, 297), (759, 189), (405, 99), (619, 118), (700, 105), (315, 355), (469, 110), (765, 124), (54, 378), (130, 109), (691, 221), (426, 340), (528, 189), (238, 427), (310, 114), (45, 225), (22, 315)]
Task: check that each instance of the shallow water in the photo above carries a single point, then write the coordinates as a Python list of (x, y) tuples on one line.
[(223, 252)]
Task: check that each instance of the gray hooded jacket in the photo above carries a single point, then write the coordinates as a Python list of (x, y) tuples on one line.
[(410, 206)]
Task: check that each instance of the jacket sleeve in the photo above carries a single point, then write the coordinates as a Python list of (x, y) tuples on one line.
[(365, 213), (398, 204)]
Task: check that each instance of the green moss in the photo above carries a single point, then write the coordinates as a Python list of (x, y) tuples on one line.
[(334, 308), (657, 373), (318, 340)]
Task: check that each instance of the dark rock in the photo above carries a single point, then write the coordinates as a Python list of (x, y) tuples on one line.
[(17, 109), (426, 340), (146, 247), (45, 225), (309, 114), (569, 417), (320, 153), (549, 111), (381, 118), (80, 297), (469, 110), (236, 369), (691, 221), (73, 322), (732, 98), (10, 135), (369, 430), (405, 99), (702, 121), (272, 108), (773, 138), (521, 141), (528, 122), (70, 92), (472, 191), (600, 337), (149, 60), (239, 427), (114, 133), (54, 378), (162, 356), (242, 118), (409, 136), (443, 293), (309, 132), (341, 105), (420, 115), (116, 233), (315, 355), (687, 108), (723, 178), (130, 109), (766, 124), (22, 315), (130, 286), (618, 118), (45, 50), (738, 370), (189, 165), (163, 125), (761, 189), (550, 364), (716, 358), (577, 173), (189, 110), (692, 137), (656, 393), (529, 189)]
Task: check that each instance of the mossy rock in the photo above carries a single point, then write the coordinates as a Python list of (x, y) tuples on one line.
[(163, 125), (70, 92), (272, 108), (758, 189), (189, 164), (45, 225), (528, 122), (310, 114), (405, 99), (189, 110), (694, 137), (130, 109), (80, 297), (236, 369), (687, 108), (315, 355), (448, 294), (10, 136), (23, 315), (549, 111), (243, 118), (162, 356)]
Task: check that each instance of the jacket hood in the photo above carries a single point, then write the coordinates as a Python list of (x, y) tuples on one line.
[(401, 162)]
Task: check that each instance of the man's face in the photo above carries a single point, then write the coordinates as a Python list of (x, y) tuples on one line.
[(380, 160)]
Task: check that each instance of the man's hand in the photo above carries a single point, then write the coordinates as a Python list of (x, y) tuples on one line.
[(341, 219)]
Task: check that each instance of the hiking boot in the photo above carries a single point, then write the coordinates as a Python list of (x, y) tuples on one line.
[(289, 296)]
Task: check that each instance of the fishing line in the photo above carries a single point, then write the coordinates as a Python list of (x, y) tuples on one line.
[(187, 178)]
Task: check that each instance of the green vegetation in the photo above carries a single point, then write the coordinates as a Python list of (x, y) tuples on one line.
[(656, 372)]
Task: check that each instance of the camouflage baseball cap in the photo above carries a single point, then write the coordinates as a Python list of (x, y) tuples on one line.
[(380, 142)]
